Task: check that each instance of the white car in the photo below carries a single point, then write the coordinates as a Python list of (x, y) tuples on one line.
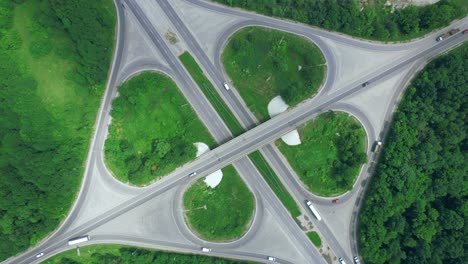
[(226, 86), (356, 260), (271, 258), (342, 261), (193, 174), (204, 249), (40, 255)]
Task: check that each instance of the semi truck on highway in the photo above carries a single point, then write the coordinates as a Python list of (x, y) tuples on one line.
[(78, 240), (313, 210), (447, 34)]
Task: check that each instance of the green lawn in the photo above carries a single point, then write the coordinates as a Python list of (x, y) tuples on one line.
[(223, 213), (153, 130), (264, 63), (86, 254), (315, 238), (331, 154), (275, 184), (210, 92), (125, 254)]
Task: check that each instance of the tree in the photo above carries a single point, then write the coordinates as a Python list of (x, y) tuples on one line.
[(418, 178)]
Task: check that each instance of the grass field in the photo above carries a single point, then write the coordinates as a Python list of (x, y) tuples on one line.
[(115, 254), (315, 238), (275, 184), (210, 92), (153, 130), (331, 153), (220, 214), (264, 63), (85, 254)]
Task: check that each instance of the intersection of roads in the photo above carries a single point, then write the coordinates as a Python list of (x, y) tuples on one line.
[(113, 212)]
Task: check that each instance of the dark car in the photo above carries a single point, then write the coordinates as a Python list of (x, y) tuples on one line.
[(335, 201), (365, 84)]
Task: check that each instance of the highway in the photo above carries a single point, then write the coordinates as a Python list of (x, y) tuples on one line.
[(232, 150), (247, 119), (242, 165)]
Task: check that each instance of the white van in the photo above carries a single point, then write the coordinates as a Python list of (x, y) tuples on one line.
[(226, 86), (204, 249)]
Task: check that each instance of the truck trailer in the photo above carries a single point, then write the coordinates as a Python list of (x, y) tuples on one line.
[(447, 34), (313, 210)]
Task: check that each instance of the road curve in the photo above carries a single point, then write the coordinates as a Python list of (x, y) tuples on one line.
[(309, 29)]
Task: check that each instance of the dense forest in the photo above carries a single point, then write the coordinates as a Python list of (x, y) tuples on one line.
[(366, 19), (416, 206), (145, 256), (46, 116)]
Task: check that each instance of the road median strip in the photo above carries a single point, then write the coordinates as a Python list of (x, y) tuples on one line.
[(210, 92)]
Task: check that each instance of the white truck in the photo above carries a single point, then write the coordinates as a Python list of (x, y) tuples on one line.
[(377, 146), (447, 34), (314, 211), (78, 240)]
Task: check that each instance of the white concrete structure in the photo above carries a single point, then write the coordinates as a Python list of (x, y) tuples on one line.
[(214, 178), (277, 106)]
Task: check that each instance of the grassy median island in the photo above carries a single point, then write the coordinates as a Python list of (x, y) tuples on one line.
[(125, 254), (210, 92), (222, 213), (331, 154), (54, 61), (315, 238), (264, 63), (153, 130)]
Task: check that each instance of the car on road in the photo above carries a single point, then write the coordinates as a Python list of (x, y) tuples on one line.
[(226, 86), (365, 84), (341, 261), (377, 146), (193, 174), (356, 260), (40, 255), (335, 201), (465, 31), (204, 249), (271, 258)]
